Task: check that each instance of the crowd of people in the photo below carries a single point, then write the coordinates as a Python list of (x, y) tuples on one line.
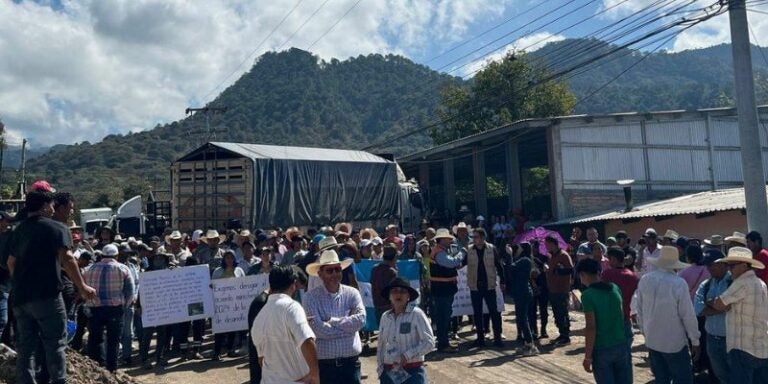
[(700, 305)]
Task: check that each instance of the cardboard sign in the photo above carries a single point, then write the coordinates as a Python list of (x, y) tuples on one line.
[(172, 296), (231, 299)]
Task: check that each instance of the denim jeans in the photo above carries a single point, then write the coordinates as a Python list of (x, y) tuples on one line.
[(109, 319), (559, 302), (46, 321), (3, 310), (630, 336), (418, 376), (670, 368), (539, 305), (347, 372), (126, 337), (746, 368), (442, 307), (612, 365), (718, 358), (522, 306), (489, 297)]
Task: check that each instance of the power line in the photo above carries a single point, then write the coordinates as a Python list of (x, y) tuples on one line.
[(254, 50), (334, 24), (757, 43), (684, 21), (303, 24)]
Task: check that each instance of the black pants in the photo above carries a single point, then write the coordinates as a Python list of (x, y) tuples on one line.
[(103, 320), (146, 340), (489, 297), (345, 370), (223, 340), (253, 363), (539, 304), (182, 334), (559, 302)]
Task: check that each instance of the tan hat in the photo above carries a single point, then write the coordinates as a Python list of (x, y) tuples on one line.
[(329, 257), (343, 227), (668, 259), (368, 233), (737, 237), (715, 240), (461, 225), (244, 233), (293, 232), (443, 233), (175, 235), (742, 255), (671, 234), (212, 234), (328, 243)]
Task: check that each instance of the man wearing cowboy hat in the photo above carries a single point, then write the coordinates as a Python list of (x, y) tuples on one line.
[(714, 242), (670, 237), (336, 314), (755, 244), (444, 262), (666, 317), (209, 252), (746, 321), (173, 243)]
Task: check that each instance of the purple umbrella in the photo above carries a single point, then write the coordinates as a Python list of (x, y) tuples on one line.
[(540, 234)]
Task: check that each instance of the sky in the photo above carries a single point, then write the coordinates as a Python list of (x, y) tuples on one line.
[(74, 71)]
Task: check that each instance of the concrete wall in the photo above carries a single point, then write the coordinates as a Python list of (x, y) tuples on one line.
[(586, 202), (721, 223)]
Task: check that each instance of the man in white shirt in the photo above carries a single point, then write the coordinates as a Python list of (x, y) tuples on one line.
[(282, 335), (651, 251), (746, 319), (666, 317)]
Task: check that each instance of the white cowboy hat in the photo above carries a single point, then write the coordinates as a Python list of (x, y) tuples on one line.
[(715, 240), (329, 257), (671, 234), (245, 233), (742, 255), (118, 238), (212, 234), (668, 259), (737, 237), (480, 218), (377, 241), (443, 233), (328, 243), (175, 235), (461, 225)]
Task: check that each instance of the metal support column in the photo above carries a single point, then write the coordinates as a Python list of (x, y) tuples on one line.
[(514, 187), (480, 187)]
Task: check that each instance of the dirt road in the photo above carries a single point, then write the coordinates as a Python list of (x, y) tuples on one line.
[(470, 365)]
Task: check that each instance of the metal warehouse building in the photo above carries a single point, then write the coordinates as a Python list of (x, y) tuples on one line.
[(668, 154)]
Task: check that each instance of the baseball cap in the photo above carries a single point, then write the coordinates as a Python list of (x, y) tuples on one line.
[(650, 232), (364, 243), (377, 241), (109, 250), (42, 186), (712, 256)]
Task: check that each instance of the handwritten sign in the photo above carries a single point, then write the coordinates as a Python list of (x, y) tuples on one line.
[(231, 299), (462, 302), (172, 296)]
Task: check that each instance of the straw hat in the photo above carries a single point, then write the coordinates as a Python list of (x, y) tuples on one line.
[(742, 255), (368, 233), (715, 240), (669, 259), (293, 232), (343, 227), (461, 225), (73, 226), (671, 234), (737, 237), (212, 234), (443, 233), (175, 235), (328, 243), (329, 257)]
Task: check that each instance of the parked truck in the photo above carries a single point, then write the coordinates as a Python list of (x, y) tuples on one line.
[(94, 218), (222, 185)]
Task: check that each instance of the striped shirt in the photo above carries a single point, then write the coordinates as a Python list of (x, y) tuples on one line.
[(409, 335), (336, 319), (746, 323), (113, 283)]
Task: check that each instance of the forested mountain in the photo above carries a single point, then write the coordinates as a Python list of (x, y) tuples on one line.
[(293, 98), (663, 81)]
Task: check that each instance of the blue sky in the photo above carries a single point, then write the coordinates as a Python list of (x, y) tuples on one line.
[(83, 69)]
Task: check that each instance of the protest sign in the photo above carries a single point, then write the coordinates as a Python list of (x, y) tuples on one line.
[(231, 299), (462, 302), (171, 296)]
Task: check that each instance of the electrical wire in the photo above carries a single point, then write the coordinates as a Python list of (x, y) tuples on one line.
[(303, 25), (334, 24), (253, 52)]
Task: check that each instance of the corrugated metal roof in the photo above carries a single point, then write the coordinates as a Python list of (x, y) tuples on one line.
[(697, 203), (260, 151)]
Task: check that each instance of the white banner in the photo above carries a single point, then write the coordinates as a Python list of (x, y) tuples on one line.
[(462, 302), (173, 296), (231, 299)]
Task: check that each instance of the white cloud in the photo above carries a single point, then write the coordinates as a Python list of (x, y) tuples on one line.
[(99, 67), (528, 43)]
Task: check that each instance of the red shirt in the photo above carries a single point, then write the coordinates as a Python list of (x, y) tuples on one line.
[(762, 257), (627, 282)]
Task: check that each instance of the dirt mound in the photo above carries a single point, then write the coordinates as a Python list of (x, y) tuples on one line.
[(80, 370)]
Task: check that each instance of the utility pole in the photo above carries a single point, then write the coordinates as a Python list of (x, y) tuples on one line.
[(209, 134), (749, 134), (21, 193)]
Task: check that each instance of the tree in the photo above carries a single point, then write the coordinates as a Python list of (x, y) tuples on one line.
[(504, 92)]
